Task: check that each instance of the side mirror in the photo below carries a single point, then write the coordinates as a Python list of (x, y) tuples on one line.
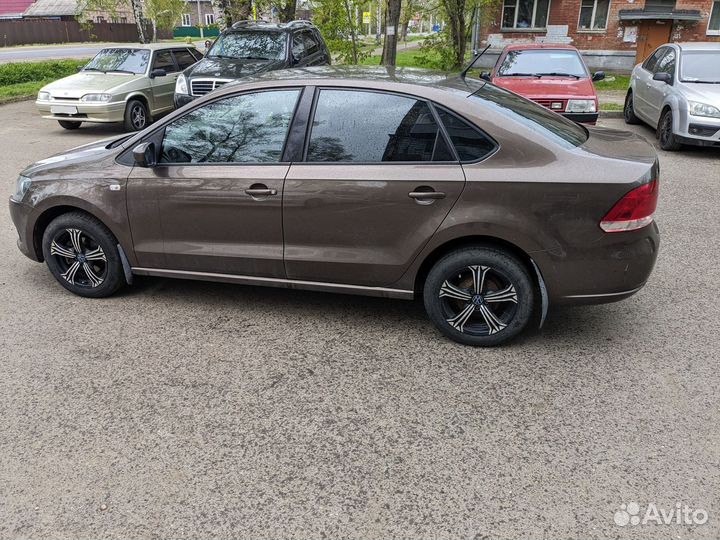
[(599, 76), (157, 73), (485, 75), (663, 77), (144, 154)]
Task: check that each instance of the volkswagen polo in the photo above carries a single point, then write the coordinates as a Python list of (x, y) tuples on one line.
[(399, 183)]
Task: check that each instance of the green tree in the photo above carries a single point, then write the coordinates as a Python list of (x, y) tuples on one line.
[(337, 22), (164, 14), (111, 6)]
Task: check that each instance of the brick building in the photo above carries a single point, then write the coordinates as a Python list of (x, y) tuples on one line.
[(612, 34)]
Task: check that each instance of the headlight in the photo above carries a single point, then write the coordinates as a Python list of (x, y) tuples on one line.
[(22, 184), (703, 109), (181, 86), (43, 96), (581, 106), (104, 98)]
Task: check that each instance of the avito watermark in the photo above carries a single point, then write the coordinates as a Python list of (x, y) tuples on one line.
[(681, 514)]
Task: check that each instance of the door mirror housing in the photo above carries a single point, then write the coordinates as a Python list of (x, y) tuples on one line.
[(485, 75), (157, 73), (663, 77), (144, 155), (598, 76)]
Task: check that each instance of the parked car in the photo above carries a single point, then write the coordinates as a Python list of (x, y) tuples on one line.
[(400, 184), (555, 76), (677, 90), (250, 48), (130, 84)]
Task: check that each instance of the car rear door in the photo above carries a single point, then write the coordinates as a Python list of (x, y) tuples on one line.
[(213, 202), (377, 179), (163, 87)]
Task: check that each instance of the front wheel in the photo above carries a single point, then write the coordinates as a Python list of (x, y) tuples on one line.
[(69, 125), (82, 255), (667, 139), (136, 115), (479, 296)]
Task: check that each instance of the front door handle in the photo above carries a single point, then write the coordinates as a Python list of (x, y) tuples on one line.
[(426, 197), (259, 191)]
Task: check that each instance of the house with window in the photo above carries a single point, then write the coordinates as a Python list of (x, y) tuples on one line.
[(198, 11), (611, 34)]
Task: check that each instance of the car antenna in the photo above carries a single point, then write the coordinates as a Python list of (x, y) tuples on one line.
[(472, 63)]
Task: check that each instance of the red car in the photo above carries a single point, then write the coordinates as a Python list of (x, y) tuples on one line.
[(555, 76)]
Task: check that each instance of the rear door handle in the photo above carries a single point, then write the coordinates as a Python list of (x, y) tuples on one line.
[(257, 191)]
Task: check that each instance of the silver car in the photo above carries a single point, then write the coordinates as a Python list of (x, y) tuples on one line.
[(132, 84), (677, 89)]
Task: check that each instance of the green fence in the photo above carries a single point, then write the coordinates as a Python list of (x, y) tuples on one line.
[(194, 31)]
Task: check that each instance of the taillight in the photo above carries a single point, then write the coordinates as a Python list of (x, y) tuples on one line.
[(634, 211)]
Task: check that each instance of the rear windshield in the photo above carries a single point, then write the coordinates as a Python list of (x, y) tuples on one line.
[(550, 124), (701, 66), (251, 45), (542, 62)]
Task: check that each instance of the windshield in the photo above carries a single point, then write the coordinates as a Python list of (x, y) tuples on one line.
[(538, 118), (700, 66), (253, 45), (542, 62), (122, 60)]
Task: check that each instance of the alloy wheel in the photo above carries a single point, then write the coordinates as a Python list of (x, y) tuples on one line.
[(666, 129), (137, 114), (478, 300), (80, 257)]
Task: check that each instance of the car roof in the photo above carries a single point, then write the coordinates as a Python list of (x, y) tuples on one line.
[(699, 46), (151, 46), (266, 26), (530, 46)]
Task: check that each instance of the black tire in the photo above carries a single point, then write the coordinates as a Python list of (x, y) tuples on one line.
[(459, 312), (629, 110), (136, 116), (68, 124), (82, 255), (667, 139)]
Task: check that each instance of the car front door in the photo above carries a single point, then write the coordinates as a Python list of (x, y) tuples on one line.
[(163, 86), (213, 201), (377, 180), (643, 82), (657, 90)]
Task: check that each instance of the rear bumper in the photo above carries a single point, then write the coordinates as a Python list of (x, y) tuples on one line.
[(582, 118), (613, 268)]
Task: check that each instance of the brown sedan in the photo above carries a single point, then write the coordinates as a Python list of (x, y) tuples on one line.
[(397, 184)]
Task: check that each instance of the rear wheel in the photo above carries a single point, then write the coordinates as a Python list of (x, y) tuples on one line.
[(629, 110), (479, 296), (136, 115), (82, 255), (69, 125), (667, 139)]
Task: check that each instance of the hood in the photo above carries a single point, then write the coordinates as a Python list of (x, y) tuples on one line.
[(706, 93), (619, 144), (231, 68), (90, 150), (87, 82), (547, 87)]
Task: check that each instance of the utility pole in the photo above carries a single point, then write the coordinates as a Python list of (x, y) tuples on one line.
[(200, 26)]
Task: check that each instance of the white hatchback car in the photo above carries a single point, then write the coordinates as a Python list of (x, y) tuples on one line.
[(677, 89)]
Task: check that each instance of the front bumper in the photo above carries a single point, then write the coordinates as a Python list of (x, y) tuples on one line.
[(83, 112), (582, 118), (698, 130), (20, 214)]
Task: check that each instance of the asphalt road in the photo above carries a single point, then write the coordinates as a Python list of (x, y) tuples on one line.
[(187, 410), (49, 52)]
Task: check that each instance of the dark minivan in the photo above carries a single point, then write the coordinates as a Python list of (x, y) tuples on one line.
[(249, 48)]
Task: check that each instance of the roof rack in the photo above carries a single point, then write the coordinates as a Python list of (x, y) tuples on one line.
[(299, 22), (247, 22)]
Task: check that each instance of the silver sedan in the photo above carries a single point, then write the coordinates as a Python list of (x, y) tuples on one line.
[(677, 89)]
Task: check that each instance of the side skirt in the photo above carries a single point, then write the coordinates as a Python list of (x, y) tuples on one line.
[(278, 282)]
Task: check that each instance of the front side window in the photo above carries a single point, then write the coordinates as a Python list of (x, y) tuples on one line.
[(311, 44), (298, 47), (164, 60), (552, 125), (714, 22), (667, 63), (542, 62), (525, 14), (250, 128), (372, 127), (700, 66), (184, 58), (652, 60), (593, 14), (120, 60), (253, 45)]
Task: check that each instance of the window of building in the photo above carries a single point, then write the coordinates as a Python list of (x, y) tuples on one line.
[(114, 20), (594, 14), (714, 23), (123, 20), (100, 19), (525, 14), (186, 20), (209, 19)]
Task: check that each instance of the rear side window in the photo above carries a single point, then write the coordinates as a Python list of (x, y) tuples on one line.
[(184, 59), (373, 127), (311, 44), (469, 142)]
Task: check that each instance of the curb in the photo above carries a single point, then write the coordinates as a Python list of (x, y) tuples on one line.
[(16, 99), (610, 114)]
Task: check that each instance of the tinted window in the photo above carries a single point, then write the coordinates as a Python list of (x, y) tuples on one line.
[(311, 44), (539, 119), (470, 143), (132, 60), (649, 64), (298, 46), (371, 127), (249, 44), (184, 59), (164, 60), (541, 62), (667, 63), (250, 128)]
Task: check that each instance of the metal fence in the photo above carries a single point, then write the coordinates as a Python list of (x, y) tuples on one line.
[(29, 31)]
